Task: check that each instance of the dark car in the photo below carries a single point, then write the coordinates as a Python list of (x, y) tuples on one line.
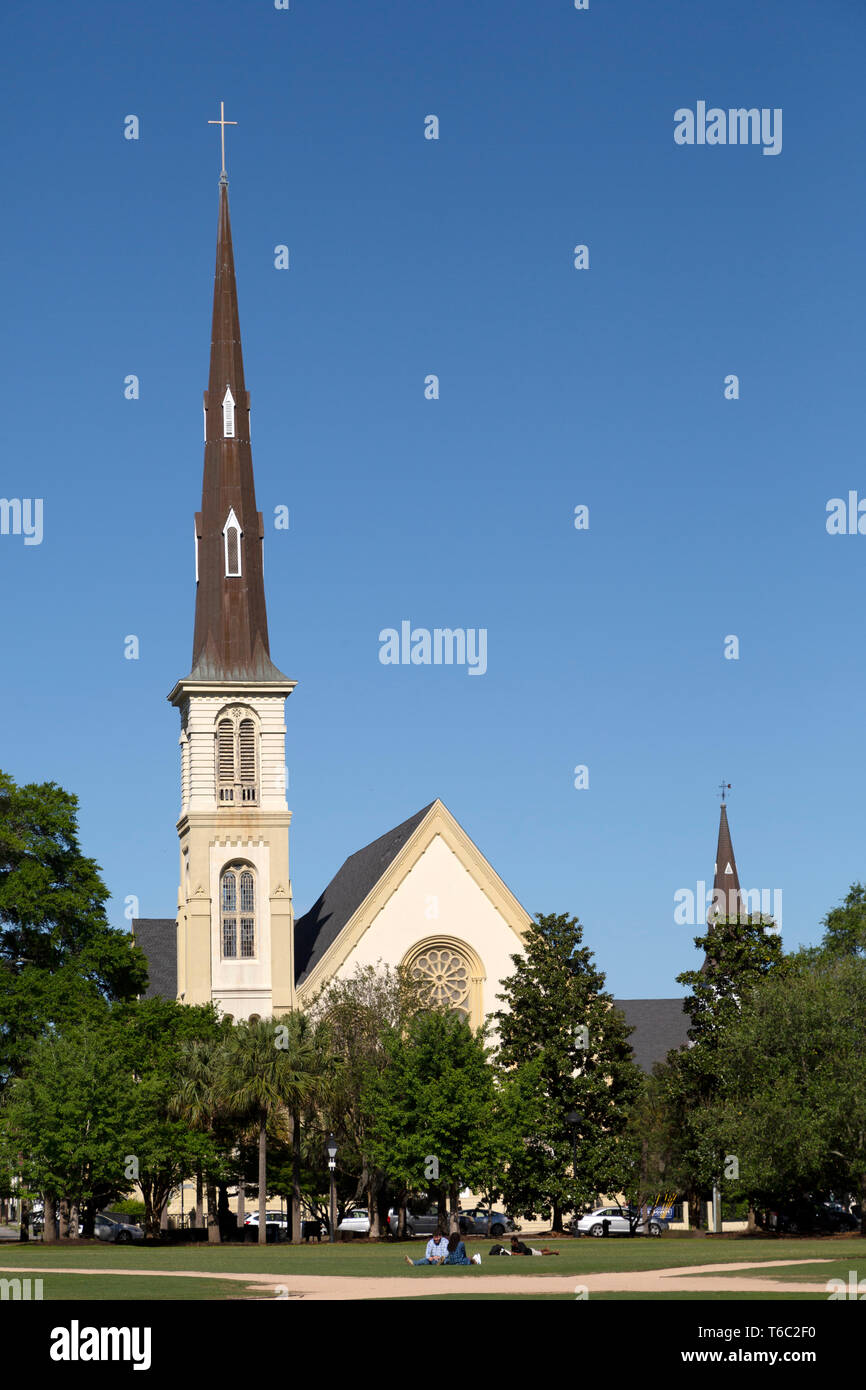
[(418, 1223), (479, 1221)]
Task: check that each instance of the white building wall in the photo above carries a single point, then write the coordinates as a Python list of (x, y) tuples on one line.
[(439, 897)]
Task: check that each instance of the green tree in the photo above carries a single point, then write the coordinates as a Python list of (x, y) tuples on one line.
[(267, 1069), (161, 1147), (431, 1110), (359, 1011), (65, 1121), (792, 1107), (196, 1100), (740, 953), (845, 925), (560, 1022), (59, 958)]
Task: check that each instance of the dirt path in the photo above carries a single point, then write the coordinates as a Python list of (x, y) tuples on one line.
[(708, 1279)]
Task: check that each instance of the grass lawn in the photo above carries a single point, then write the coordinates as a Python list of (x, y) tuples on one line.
[(617, 1297), (100, 1288), (363, 1260)]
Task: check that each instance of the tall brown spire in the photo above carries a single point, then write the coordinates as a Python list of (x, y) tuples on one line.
[(231, 623), (726, 884)]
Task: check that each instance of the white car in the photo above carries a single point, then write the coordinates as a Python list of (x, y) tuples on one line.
[(618, 1224), (272, 1218), (357, 1221)]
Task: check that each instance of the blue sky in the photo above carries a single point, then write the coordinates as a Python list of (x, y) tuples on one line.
[(557, 387)]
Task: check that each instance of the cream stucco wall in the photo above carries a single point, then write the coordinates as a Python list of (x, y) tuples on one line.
[(439, 897)]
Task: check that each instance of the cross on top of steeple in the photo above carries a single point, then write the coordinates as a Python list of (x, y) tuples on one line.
[(222, 123)]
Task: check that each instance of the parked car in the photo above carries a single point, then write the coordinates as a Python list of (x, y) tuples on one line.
[(423, 1223), (478, 1221), (809, 1216), (357, 1220), (619, 1223), (115, 1231), (276, 1218)]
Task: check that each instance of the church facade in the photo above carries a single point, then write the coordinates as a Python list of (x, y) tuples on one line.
[(421, 895)]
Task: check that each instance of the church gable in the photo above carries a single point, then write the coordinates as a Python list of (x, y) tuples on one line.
[(437, 906)]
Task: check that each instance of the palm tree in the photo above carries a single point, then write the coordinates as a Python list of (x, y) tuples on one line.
[(265, 1069), (197, 1101), (309, 1066)]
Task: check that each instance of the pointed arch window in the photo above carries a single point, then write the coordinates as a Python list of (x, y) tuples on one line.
[(228, 414), (232, 535), (238, 913), (237, 763)]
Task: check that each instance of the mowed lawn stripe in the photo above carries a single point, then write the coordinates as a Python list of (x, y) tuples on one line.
[(366, 1261)]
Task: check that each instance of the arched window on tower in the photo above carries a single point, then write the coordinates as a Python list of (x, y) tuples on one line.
[(238, 913), (237, 770), (232, 534)]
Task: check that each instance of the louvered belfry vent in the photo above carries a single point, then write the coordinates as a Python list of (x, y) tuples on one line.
[(237, 762)]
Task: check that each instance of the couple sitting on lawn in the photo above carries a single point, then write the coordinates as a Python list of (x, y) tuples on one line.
[(442, 1252)]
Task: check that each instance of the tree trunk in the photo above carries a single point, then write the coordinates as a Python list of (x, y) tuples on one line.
[(453, 1218), (263, 1179), (556, 1223), (73, 1220), (863, 1204), (88, 1219), (64, 1218), (23, 1219), (225, 1217), (163, 1215), (49, 1213), (199, 1197), (213, 1225), (242, 1202), (368, 1183), (296, 1177)]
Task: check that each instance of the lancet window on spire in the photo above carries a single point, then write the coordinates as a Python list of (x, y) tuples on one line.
[(232, 533), (228, 414)]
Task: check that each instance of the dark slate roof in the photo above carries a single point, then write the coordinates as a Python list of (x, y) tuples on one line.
[(659, 1025), (157, 937), (320, 927)]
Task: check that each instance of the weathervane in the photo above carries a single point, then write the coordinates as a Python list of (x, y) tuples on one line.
[(724, 787), (222, 123)]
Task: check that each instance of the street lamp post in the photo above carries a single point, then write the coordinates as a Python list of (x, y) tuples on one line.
[(331, 1151)]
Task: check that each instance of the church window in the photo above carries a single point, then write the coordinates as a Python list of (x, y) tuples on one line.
[(232, 533), (228, 415), (237, 761), (238, 910), (448, 976)]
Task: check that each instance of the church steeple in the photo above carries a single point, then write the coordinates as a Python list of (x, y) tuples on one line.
[(726, 883), (231, 625)]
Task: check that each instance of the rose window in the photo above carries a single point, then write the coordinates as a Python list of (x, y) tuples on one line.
[(447, 975)]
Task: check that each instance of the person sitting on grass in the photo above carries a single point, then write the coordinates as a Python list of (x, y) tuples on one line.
[(518, 1247), (437, 1249), (457, 1252)]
